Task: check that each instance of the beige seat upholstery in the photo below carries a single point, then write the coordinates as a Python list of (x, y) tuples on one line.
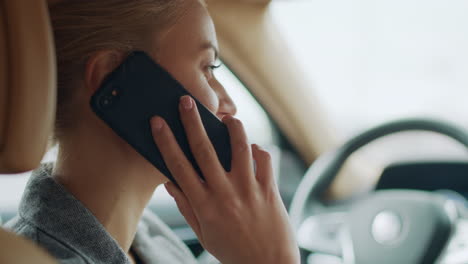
[(27, 84), (14, 249), (27, 102)]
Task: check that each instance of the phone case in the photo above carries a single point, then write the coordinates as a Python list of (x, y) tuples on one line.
[(140, 89)]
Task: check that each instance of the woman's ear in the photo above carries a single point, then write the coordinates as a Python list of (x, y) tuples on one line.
[(98, 66)]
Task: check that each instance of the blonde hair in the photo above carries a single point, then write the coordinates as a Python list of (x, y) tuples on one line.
[(83, 27)]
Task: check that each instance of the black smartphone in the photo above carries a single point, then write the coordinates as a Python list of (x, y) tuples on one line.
[(140, 89)]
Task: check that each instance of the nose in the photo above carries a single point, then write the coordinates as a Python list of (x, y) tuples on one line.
[(226, 105)]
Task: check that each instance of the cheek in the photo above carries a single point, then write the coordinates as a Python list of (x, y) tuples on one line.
[(205, 94), (195, 82)]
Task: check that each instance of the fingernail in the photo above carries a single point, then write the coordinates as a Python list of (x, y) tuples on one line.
[(187, 102), (157, 123)]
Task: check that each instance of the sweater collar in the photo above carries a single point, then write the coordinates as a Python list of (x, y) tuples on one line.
[(49, 206)]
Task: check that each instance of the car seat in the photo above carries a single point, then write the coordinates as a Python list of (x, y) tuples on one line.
[(27, 103)]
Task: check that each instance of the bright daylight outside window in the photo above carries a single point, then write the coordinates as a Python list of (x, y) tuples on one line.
[(256, 122), (373, 61)]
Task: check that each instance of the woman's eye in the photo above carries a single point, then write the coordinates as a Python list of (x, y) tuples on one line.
[(210, 69), (214, 67)]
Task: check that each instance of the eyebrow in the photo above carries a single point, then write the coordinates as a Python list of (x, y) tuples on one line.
[(210, 45)]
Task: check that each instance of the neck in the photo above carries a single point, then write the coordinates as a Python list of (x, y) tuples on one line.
[(109, 178)]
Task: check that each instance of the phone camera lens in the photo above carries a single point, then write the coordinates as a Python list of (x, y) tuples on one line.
[(106, 101)]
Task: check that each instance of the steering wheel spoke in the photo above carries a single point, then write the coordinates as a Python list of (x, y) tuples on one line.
[(457, 249)]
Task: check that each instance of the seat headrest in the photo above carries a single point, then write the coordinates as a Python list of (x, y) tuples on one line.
[(27, 83)]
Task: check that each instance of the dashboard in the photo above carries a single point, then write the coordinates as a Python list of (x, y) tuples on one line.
[(448, 177)]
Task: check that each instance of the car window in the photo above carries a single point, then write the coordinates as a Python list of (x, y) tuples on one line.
[(374, 61), (12, 186)]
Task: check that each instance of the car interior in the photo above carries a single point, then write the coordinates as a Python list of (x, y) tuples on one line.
[(347, 204)]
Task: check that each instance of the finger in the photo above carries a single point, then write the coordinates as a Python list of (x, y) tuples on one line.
[(242, 163), (184, 206), (200, 144), (264, 167), (175, 159)]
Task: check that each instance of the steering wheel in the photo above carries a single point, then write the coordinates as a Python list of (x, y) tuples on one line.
[(388, 226)]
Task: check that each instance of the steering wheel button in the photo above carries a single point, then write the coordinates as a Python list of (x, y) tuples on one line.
[(387, 228)]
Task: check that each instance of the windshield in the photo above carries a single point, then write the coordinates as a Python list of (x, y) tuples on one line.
[(373, 61)]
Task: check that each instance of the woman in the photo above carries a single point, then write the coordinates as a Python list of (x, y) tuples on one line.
[(89, 206)]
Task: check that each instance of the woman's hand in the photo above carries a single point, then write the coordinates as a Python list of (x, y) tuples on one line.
[(238, 216)]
